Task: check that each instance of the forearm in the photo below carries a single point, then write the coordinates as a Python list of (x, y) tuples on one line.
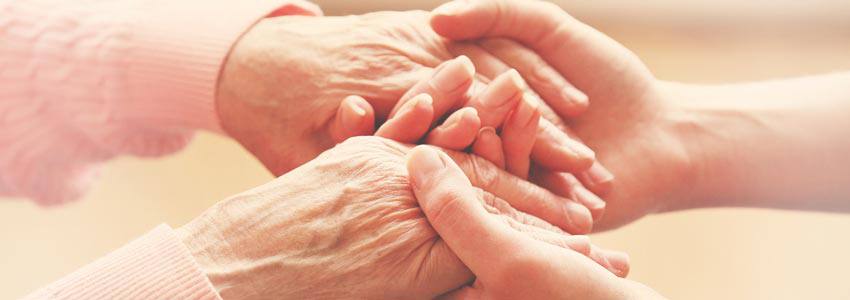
[(98, 79), (778, 144), (154, 266)]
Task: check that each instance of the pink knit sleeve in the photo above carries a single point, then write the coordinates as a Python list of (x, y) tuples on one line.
[(82, 81), (155, 266)]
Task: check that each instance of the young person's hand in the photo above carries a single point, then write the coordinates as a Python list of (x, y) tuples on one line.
[(506, 264), (632, 124)]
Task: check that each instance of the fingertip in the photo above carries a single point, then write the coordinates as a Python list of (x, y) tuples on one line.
[(620, 262), (598, 179), (354, 117), (593, 203), (467, 64), (580, 244), (423, 163), (488, 145), (579, 218), (360, 113), (444, 19), (458, 131), (576, 100)]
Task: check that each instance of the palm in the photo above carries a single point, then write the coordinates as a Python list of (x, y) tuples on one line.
[(627, 125)]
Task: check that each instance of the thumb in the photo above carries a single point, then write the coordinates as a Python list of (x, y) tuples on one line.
[(583, 55), (526, 21), (454, 209)]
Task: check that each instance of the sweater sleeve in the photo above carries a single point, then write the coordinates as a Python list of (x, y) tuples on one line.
[(82, 81), (155, 266)]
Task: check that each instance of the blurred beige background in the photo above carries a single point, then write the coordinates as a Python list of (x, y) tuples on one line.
[(706, 254)]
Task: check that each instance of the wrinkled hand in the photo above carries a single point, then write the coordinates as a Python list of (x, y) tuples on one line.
[(284, 80), (631, 123), (506, 263), (346, 225), (501, 125)]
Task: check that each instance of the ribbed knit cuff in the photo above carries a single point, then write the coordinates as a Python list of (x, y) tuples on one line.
[(155, 266), (178, 50)]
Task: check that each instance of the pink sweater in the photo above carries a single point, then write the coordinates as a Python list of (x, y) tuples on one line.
[(83, 81)]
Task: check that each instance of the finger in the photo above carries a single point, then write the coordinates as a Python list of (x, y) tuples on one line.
[(533, 226), (545, 80), (499, 98), (490, 66), (450, 203), (614, 261), (598, 179), (619, 261), (354, 117), (566, 185), (411, 122), (519, 133), (556, 151), (448, 86), (486, 64), (457, 132), (525, 196), (570, 46), (488, 145), (464, 293), (578, 243)]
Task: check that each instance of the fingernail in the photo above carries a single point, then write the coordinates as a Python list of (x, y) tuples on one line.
[(421, 101), (574, 95), (619, 262), (454, 75), (595, 204), (422, 163), (468, 66), (598, 174), (515, 81), (581, 150), (352, 114), (451, 8), (589, 199), (454, 119), (524, 114), (487, 132), (580, 217)]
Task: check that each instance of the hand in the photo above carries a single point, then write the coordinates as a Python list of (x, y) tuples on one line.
[(346, 225), (632, 123), (475, 127), (284, 80), (506, 264)]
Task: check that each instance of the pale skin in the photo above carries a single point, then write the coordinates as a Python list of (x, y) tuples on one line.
[(346, 225), (776, 144), (283, 83)]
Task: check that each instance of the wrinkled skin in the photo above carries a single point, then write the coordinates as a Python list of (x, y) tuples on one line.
[(346, 225), (286, 77)]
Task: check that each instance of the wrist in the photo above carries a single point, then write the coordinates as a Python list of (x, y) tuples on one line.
[(689, 127)]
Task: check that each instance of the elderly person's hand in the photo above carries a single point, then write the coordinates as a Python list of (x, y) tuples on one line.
[(633, 125), (506, 263), (510, 148), (284, 80), (346, 225)]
